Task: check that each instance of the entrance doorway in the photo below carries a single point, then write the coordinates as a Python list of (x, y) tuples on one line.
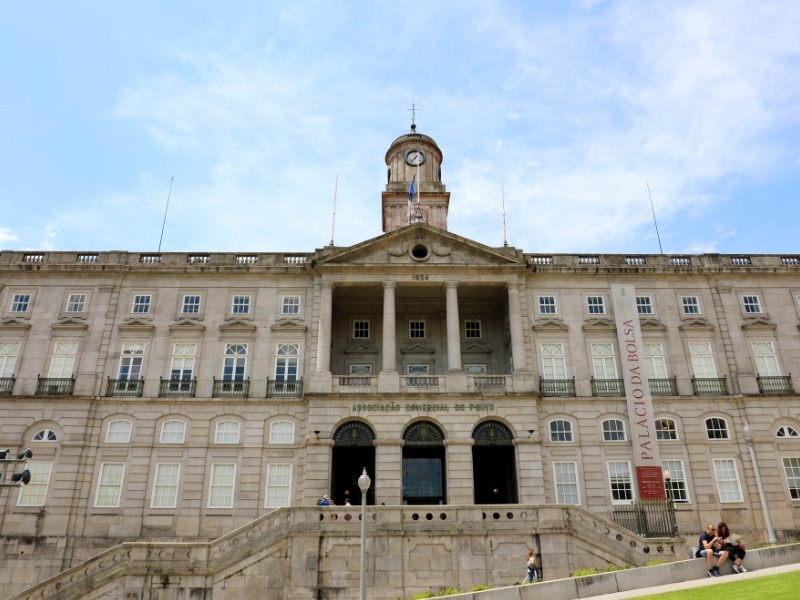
[(494, 471), (424, 464), (353, 451)]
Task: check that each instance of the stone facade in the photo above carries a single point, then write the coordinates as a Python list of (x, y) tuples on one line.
[(175, 397)]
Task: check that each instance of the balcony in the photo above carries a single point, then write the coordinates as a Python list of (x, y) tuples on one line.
[(55, 386), (230, 389), (563, 388), (775, 385), (663, 387), (6, 386), (608, 387), (125, 388), (487, 383), (362, 384), (419, 383), (177, 388), (285, 389), (710, 386)]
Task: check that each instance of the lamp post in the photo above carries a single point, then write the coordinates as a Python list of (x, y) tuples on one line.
[(363, 483), (671, 506), (748, 435)]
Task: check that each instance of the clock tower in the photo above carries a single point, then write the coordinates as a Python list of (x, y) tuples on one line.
[(417, 156)]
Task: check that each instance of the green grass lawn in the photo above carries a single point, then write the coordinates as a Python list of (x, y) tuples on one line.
[(731, 587)]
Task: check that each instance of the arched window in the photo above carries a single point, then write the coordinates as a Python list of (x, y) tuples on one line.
[(666, 429), (492, 433), (45, 435), (119, 431), (560, 430), (785, 431), (281, 432), (227, 432), (423, 433), (173, 432), (354, 433), (717, 429), (613, 430)]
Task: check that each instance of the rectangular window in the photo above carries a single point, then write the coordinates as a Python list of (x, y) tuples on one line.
[(644, 305), (234, 362), (109, 485), (35, 492), (554, 363), (360, 369), (678, 488), (220, 491), (766, 359), (361, 330), (20, 303), (605, 367), (560, 431), (655, 363), (182, 364), (691, 305), (547, 305), (76, 303), (290, 305), (416, 330), (279, 483), (8, 358), (165, 485), (472, 329), (596, 305), (619, 478), (191, 305), (130, 364), (613, 430), (63, 362), (141, 304), (286, 362), (791, 468), (417, 369), (702, 360), (241, 305), (727, 480), (752, 304), (566, 481), (475, 369)]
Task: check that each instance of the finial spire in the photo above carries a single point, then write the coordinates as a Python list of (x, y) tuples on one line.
[(414, 110)]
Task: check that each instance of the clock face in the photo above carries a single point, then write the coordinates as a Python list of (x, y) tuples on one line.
[(415, 158)]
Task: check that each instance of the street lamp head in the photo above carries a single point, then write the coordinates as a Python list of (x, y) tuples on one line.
[(364, 481), (667, 476), (748, 432)]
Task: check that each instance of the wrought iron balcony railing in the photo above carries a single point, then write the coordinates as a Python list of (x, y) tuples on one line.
[(55, 386), (663, 387), (285, 389), (7, 386), (608, 387), (177, 388), (230, 388), (128, 388), (709, 386), (773, 385), (564, 388)]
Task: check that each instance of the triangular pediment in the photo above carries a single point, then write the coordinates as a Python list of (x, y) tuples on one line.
[(475, 348), (14, 323), (551, 325), (187, 325), (136, 325), (652, 324), (69, 323), (696, 325), (237, 325), (361, 348), (289, 325), (417, 348), (421, 244), (599, 325), (758, 323)]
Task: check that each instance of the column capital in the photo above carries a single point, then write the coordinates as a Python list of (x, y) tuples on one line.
[(327, 284), (389, 284), (451, 283)]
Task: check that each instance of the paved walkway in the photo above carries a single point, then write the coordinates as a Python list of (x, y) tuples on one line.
[(696, 583)]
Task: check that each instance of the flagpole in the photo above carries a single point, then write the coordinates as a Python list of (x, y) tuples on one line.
[(419, 186)]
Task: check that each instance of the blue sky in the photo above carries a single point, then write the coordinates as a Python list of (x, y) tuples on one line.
[(256, 107)]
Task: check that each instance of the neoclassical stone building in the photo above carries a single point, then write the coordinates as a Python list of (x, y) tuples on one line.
[(174, 398)]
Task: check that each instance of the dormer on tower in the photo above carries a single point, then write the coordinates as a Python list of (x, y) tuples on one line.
[(409, 155)]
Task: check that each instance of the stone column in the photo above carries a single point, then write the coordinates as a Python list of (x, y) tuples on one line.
[(453, 331), (515, 323), (324, 333), (389, 328)]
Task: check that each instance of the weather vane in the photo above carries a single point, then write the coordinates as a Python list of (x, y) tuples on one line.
[(414, 110)]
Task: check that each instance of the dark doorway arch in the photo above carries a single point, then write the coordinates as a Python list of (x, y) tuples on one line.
[(494, 470), (423, 464), (353, 451)]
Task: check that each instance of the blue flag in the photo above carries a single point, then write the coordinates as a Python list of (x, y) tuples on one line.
[(411, 190)]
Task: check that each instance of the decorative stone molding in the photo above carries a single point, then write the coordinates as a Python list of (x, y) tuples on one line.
[(187, 325), (135, 324), (758, 323), (289, 325), (696, 324), (237, 325), (417, 348), (361, 348), (551, 325), (70, 323)]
